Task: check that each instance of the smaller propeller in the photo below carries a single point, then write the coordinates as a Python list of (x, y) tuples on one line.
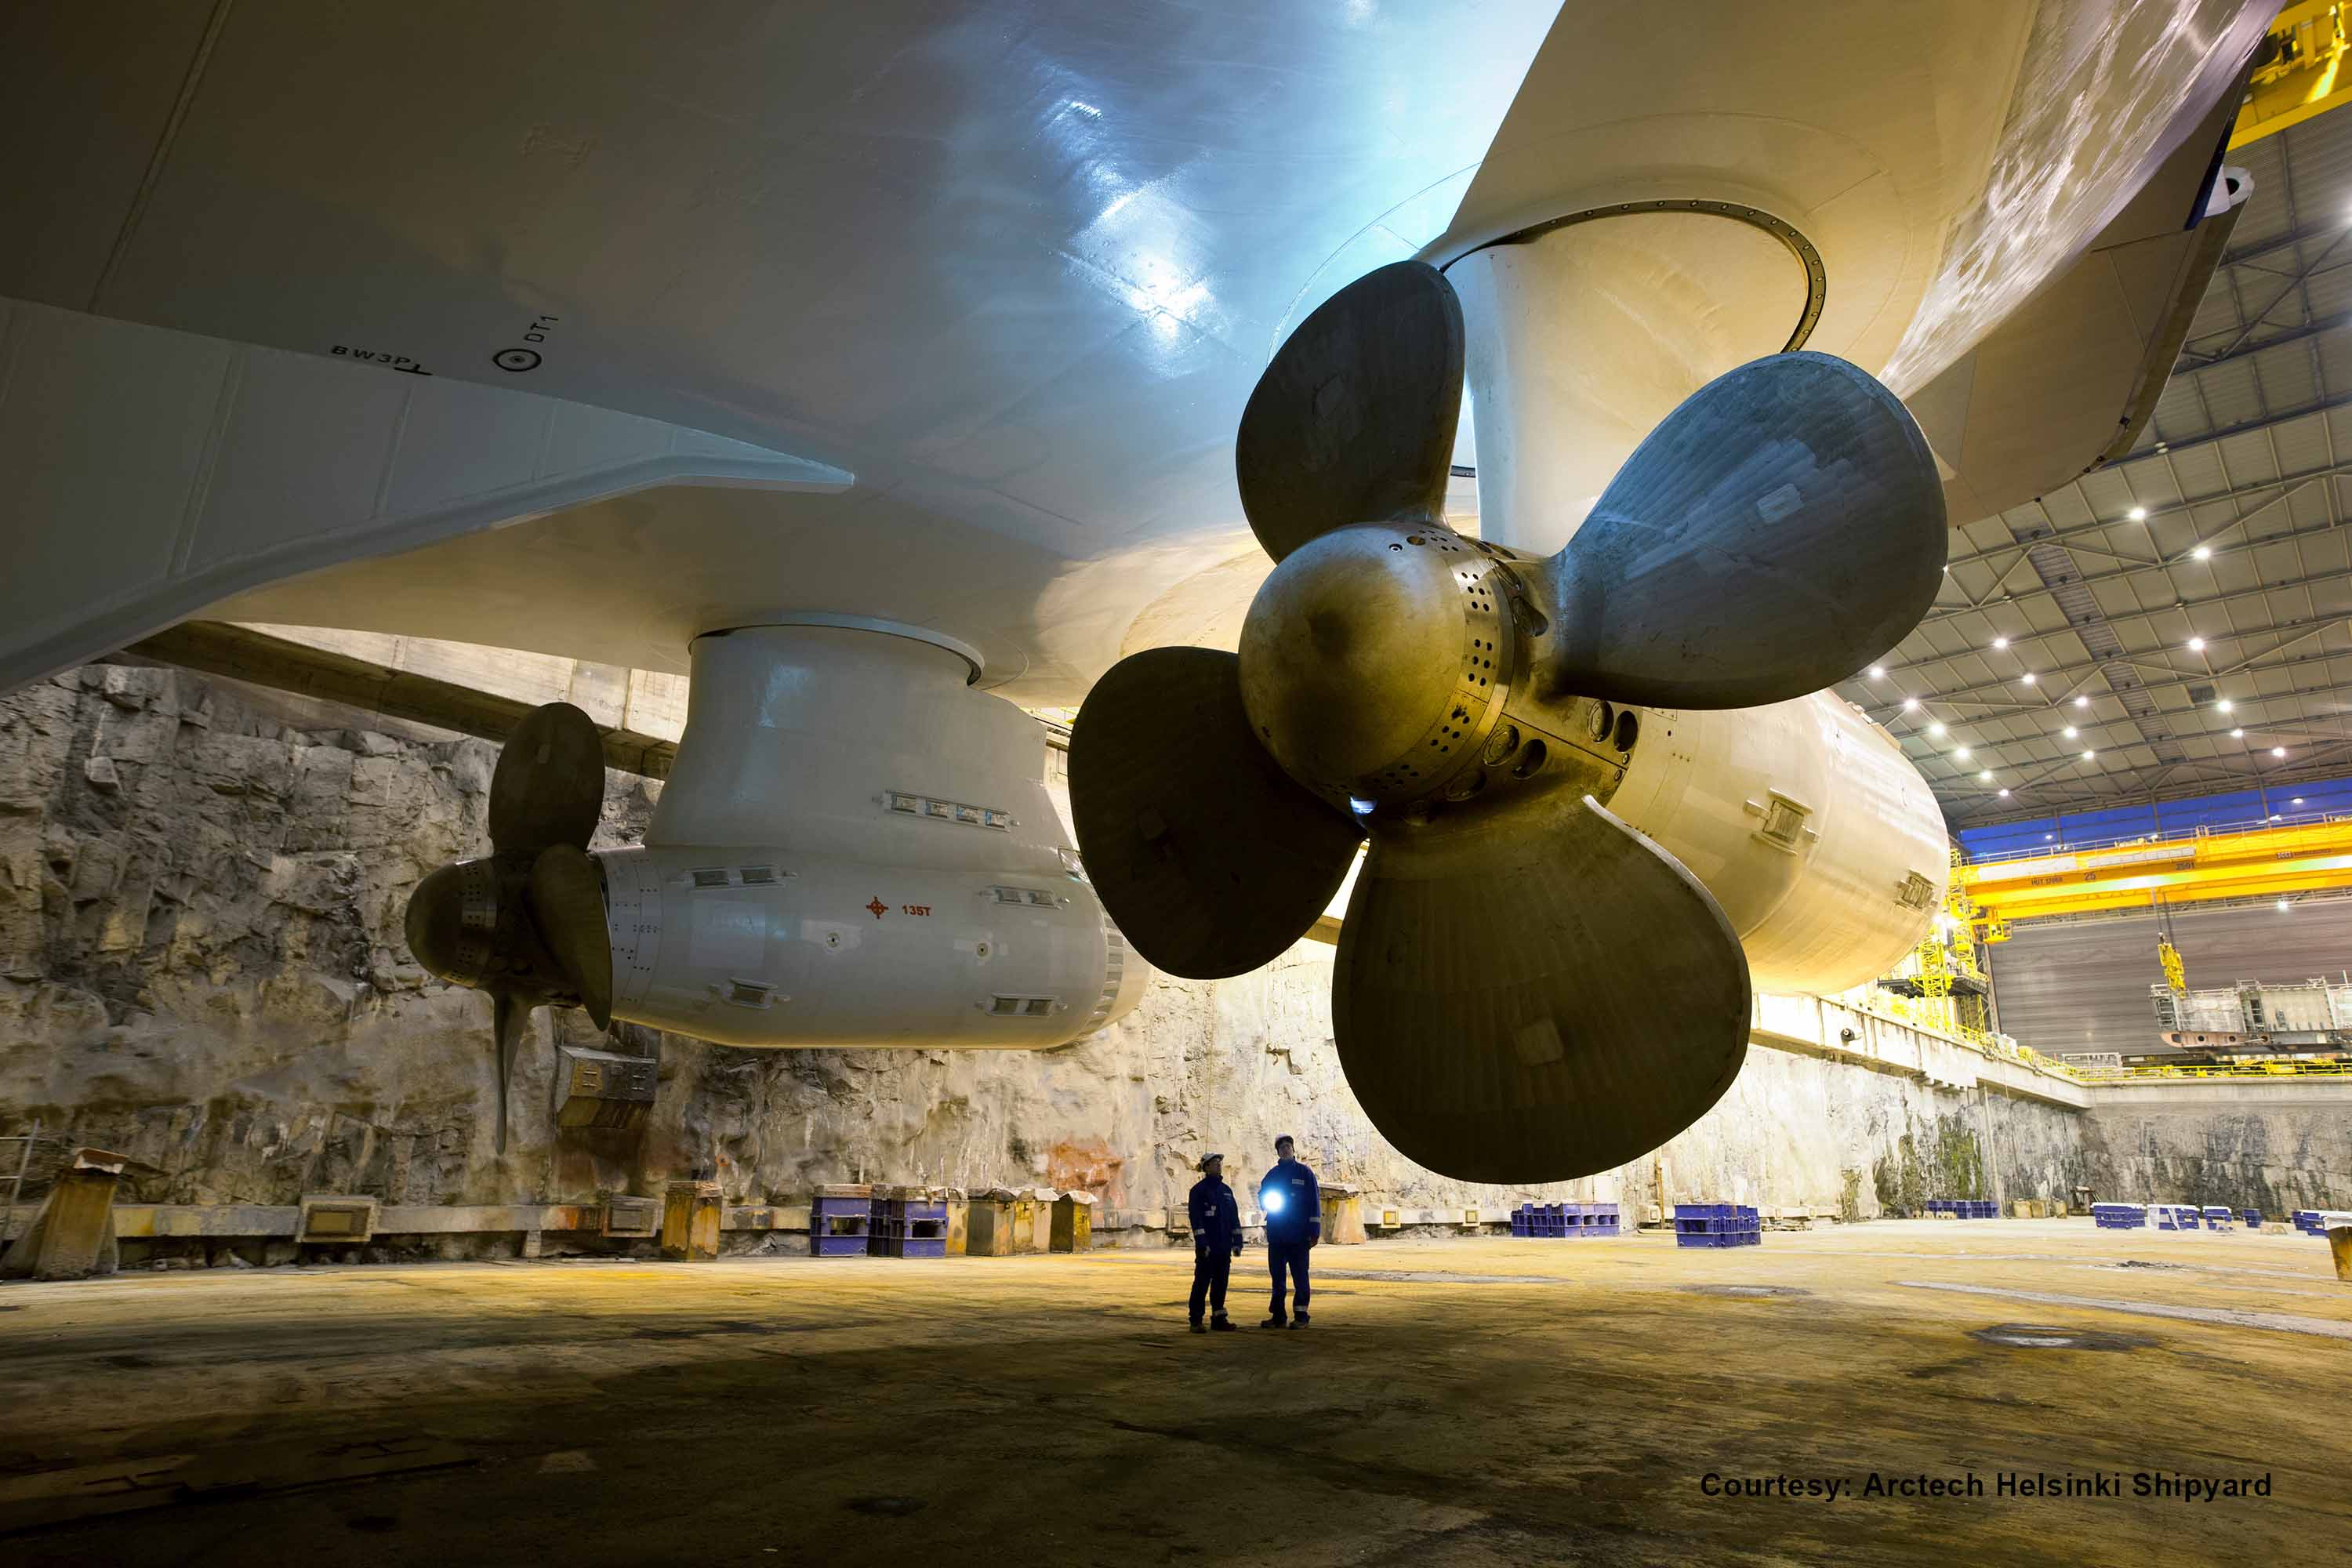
[(526, 923)]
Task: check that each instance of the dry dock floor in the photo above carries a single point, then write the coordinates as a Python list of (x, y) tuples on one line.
[(1477, 1401)]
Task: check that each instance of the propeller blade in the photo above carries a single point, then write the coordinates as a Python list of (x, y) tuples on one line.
[(1534, 997), (511, 1021), (1782, 528), (1209, 860), (1353, 421), (549, 787), (567, 900)]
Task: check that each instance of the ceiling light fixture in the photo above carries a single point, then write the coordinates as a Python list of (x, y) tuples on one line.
[(1910, 704), (1985, 775), (2004, 795), (2278, 750), (2137, 514), (1962, 753), (1936, 728), (2072, 732), (2027, 677), (2203, 552), (2196, 645), (2088, 756), (2237, 734), (2224, 705), (2082, 702), (1999, 642)]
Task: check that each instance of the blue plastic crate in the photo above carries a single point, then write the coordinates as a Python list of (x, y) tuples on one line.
[(1714, 1225), (2307, 1221), (1718, 1238), (2253, 1218), (841, 1228)]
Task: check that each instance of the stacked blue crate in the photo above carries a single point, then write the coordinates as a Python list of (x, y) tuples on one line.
[(2174, 1216), (2253, 1218), (841, 1221), (1717, 1225), (2220, 1218), (1568, 1222), (2119, 1217), (918, 1225), (2307, 1221)]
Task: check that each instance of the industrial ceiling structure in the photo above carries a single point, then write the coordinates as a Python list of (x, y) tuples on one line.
[(2179, 622)]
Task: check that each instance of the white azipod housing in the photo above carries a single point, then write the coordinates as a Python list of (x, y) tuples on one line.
[(857, 849), (1821, 842)]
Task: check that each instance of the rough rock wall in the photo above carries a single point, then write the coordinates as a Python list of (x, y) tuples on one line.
[(201, 888), (1797, 1128), (2249, 1149)]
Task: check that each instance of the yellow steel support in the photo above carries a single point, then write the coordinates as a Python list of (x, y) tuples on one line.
[(1964, 916), (2299, 71), (1934, 1006)]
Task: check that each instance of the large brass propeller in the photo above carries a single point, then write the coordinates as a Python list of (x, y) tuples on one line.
[(527, 922), (1527, 989)]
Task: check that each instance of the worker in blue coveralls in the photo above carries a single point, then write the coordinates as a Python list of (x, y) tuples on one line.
[(1216, 1238), (1293, 1206)]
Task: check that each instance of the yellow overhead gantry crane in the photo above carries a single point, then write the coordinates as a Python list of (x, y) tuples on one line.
[(2298, 858), (2299, 71)]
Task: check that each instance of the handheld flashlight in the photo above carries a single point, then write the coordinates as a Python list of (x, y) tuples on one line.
[(1273, 1201)]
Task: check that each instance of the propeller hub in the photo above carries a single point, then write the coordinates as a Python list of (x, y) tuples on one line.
[(453, 920), (1374, 659)]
